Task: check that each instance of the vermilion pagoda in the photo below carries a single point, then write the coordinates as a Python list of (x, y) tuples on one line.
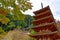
[(45, 25)]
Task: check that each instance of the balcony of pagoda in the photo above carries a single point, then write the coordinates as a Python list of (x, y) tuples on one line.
[(51, 36), (41, 10), (49, 26), (42, 15), (47, 19)]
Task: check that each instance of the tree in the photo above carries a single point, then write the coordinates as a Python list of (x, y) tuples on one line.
[(15, 7), (28, 20), (13, 13)]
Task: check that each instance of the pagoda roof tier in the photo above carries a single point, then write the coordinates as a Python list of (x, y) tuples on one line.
[(53, 35), (41, 10), (47, 19), (42, 15), (49, 26)]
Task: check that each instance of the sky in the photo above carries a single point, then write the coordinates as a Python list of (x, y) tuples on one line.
[(54, 6)]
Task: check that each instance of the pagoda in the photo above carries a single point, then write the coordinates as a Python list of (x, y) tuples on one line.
[(45, 25)]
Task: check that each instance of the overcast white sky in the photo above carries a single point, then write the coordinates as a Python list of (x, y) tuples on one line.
[(54, 6)]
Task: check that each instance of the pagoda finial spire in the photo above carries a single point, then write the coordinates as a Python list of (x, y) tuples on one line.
[(41, 5)]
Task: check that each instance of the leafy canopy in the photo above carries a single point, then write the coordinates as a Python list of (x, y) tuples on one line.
[(15, 7)]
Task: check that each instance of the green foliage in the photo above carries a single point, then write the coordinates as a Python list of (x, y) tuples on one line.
[(18, 17), (28, 20), (14, 17), (32, 31), (2, 33), (21, 23), (3, 19), (22, 5)]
